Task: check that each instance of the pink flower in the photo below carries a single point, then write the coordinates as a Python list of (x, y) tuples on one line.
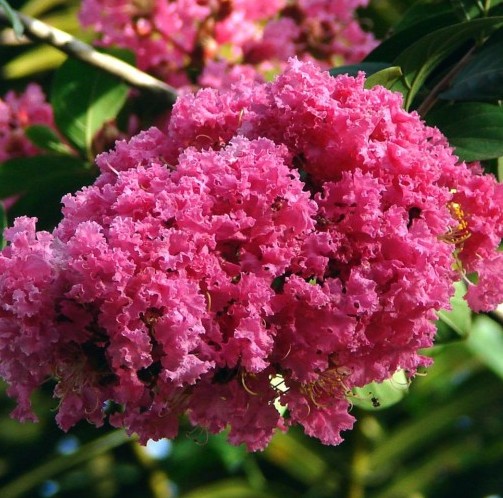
[(18, 112), (280, 243), (210, 43)]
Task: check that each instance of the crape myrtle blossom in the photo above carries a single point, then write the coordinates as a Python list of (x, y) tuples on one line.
[(218, 42), (18, 112), (280, 243)]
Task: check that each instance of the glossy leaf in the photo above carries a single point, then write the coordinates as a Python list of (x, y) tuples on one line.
[(378, 395), (482, 77), (367, 67), (486, 341), (459, 318), (386, 77), (46, 138), (474, 129), (410, 32), (421, 58), (84, 98)]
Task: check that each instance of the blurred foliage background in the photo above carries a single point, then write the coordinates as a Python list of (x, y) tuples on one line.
[(443, 439)]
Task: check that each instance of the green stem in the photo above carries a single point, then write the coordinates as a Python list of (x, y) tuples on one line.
[(42, 473)]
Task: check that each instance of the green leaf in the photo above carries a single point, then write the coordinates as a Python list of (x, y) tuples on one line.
[(386, 77), (486, 341), (227, 488), (30, 62), (352, 70), (54, 466), (41, 181), (421, 58), (46, 138), (474, 129), (3, 224), (482, 77), (12, 17), (459, 318), (426, 11), (83, 99), (378, 395), (409, 33)]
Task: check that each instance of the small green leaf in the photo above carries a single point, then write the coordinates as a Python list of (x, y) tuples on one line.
[(486, 341), (378, 395), (459, 318), (3, 224), (12, 16), (46, 138), (474, 129), (84, 98), (352, 70), (386, 77), (482, 77), (421, 58)]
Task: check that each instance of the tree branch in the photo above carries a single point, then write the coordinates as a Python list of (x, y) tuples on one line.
[(38, 30)]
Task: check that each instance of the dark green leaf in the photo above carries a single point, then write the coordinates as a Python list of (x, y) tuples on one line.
[(12, 17), (386, 77), (3, 224), (421, 58), (392, 47), (41, 181), (482, 77), (46, 139), (426, 11), (378, 395), (474, 129), (84, 98), (367, 67)]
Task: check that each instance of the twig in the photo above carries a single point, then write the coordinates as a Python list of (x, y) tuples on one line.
[(38, 30)]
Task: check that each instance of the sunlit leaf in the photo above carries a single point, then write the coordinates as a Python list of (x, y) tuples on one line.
[(486, 341), (474, 129), (378, 395), (30, 62), (459, 318), (83, 99), (386, 77)]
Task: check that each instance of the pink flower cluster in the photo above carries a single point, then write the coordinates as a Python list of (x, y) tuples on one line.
[(217, 42), (280, 245), (17, 112)]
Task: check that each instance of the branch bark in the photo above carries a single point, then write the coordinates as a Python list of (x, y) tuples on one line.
[(40, 31)]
